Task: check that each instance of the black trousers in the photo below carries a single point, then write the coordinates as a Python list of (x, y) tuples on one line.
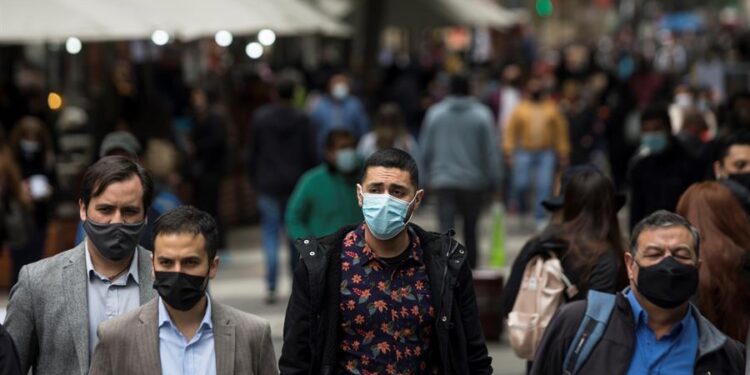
[(464, 202)]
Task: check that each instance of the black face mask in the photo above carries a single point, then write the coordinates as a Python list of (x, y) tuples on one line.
[(667, 284), (741, 178), (114, 241), (180, 290)]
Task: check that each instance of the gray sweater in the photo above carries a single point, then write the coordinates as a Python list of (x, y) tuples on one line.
[(460, 147)]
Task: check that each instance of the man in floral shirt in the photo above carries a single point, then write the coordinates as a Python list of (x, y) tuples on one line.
[(384, 296)]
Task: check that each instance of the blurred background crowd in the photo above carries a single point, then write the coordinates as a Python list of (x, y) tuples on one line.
[(232, 107)]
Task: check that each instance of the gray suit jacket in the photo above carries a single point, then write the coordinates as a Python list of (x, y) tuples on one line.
[(129, 344), (48, 316)]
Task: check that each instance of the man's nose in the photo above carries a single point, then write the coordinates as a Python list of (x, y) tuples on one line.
[(116, 217)]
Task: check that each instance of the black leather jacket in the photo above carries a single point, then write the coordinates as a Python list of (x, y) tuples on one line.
[(311, 325)]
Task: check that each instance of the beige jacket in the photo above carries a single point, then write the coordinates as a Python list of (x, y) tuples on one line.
[(129, 344), (537, 127)]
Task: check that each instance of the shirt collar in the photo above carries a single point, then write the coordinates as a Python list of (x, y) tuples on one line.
[(640, 316), (132, 271), (164, 317)]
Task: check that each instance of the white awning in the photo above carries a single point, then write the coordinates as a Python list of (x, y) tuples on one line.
[(96, 20), (56, 20), (435, 13)]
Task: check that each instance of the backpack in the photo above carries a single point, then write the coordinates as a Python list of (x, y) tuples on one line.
[(543, 289), (599, 308)]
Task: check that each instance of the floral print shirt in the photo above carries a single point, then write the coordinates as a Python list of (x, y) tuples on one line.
[(386, 314)]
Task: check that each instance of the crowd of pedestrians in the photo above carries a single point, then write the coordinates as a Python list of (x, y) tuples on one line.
[(634, 169)]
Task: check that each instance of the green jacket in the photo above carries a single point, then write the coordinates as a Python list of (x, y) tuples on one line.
[(322, 202)]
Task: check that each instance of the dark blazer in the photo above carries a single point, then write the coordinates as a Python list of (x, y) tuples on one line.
[(311, 325)]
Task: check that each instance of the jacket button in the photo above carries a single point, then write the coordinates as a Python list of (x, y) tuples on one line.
[(312, 253), (444, 318), (306, 242)]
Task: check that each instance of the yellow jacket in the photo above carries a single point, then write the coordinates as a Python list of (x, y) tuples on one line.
[(537, 126)]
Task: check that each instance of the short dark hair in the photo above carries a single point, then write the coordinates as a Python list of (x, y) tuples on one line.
[(664, 219), (112, 169), (460, 84), (657, 112), (285, 89), (394, 158), (741, 137), (190, 220), (337, 133)]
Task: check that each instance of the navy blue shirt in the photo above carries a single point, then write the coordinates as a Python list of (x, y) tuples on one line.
[(673, 354)]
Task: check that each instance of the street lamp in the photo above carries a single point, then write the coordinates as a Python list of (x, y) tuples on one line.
[(254, 50), (223, 38), (160, 37), (266, 37), (73, 45)]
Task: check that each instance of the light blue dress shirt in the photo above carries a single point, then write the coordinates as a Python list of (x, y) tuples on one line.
[(180, 357), (674, 354), (110, 298)]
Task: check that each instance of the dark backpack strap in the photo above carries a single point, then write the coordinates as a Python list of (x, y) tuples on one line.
[(599, 308)]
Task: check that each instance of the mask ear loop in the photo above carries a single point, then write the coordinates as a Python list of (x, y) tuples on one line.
[(407, 220)]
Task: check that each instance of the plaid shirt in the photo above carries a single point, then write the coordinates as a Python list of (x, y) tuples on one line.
[(386, 314)]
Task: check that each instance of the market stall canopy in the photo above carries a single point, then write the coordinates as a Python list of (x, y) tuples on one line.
[(96, 20), (200, 18), (56, 20), (435, 13)]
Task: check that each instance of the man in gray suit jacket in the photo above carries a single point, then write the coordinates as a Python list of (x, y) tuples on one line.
[(58, 302), (185, 331)]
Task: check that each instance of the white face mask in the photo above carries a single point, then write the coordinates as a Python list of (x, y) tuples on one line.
[(684, 100), (340, 91)]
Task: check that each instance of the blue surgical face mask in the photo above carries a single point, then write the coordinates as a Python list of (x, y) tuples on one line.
[(346, 160), (385, 215), (340, 91), (655, 142)]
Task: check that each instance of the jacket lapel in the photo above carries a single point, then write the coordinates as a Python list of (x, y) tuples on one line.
[(145, 279), (76, 294), (149, 330), (224, 340)]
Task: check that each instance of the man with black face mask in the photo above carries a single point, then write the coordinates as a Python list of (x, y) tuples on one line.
[(652, 327), (58, 302), (196, 334), (732, 167)]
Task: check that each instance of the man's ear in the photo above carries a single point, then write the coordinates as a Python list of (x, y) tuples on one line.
[(81, 210), (418, 198), (719, 170), (359, 195), (630, 265), (214, 267)]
